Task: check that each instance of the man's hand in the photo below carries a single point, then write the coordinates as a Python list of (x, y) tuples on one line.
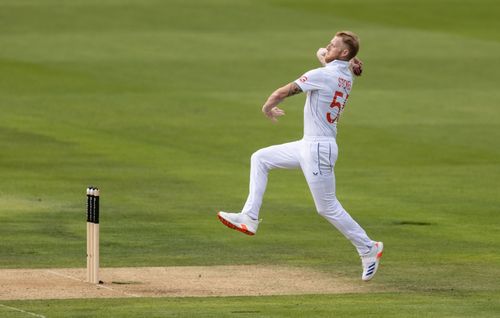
[(274, 113), (356, 66), (321, 55), (270, 108)]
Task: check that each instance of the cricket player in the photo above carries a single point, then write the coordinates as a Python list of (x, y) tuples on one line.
[(327, 89)]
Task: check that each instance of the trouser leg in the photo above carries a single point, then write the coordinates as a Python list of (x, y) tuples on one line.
[(319, 160), (285, 156)]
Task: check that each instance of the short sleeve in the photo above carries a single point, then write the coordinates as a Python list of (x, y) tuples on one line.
[(311, 81)]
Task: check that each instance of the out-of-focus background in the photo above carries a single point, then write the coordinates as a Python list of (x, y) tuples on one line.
[(158, 103)]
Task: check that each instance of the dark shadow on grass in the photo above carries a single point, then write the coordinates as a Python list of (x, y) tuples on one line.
[(417, 223)]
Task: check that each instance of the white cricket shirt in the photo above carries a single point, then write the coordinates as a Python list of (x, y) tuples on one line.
[(327, 90)]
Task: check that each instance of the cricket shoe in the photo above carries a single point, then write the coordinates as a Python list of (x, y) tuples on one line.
[(370, 261), (239, 222)]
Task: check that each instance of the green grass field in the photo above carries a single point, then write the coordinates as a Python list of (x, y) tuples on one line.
[(158, 103)]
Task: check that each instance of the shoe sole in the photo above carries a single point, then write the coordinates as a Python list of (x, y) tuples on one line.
[(234, 227)]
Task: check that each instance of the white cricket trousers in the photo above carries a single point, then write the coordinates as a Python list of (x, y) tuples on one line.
[(316, 157)]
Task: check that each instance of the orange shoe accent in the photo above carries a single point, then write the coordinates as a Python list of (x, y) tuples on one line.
[(243, 228), (379, 254)]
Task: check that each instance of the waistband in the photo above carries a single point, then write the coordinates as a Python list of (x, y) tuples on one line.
[(319, 138)]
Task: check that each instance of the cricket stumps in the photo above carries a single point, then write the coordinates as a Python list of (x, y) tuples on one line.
[(93, 235)]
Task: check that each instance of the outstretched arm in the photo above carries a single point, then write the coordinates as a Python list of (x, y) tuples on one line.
[(270, 108)]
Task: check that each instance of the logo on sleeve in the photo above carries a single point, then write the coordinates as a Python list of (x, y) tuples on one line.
[(303, 79)]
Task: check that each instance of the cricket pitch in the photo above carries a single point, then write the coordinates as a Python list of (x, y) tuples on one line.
[(181, 281)]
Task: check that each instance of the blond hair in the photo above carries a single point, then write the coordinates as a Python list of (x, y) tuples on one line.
[(351, 40)]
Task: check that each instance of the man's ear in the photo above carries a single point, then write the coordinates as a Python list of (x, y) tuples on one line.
[(345, 52)]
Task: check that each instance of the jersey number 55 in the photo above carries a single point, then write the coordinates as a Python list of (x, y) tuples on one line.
[(336, 104)]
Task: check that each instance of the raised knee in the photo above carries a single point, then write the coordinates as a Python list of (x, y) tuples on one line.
[(259, 161), (257, 157)]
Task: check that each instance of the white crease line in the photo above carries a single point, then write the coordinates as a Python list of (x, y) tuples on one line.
[(65, 276), (23, 311), (119, 291), (101, 286)]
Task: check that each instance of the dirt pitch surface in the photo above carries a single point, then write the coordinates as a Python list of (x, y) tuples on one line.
[(189, 281)]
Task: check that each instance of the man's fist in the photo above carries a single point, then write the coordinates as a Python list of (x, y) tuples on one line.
[(321, 55), (356, 66)]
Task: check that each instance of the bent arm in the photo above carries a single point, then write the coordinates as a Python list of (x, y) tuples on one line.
[(270, 108)]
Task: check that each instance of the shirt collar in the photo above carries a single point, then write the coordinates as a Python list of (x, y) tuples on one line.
[(338, 62)]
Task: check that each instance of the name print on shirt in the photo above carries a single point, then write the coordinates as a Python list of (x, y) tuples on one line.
[(343, 83)]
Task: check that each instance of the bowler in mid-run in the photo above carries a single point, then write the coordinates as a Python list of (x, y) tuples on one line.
[(328, 89)]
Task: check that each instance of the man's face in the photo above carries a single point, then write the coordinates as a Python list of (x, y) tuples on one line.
[(336, 50)]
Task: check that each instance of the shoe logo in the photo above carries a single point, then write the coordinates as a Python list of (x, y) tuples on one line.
[(315, 173)]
